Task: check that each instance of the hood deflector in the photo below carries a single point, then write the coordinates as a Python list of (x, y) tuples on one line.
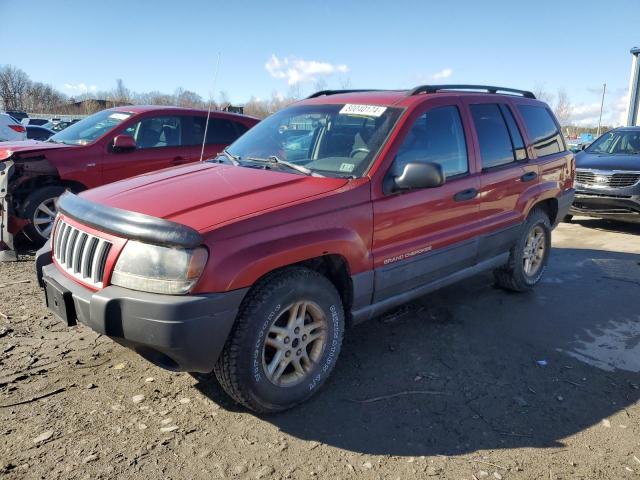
[(130, 225)]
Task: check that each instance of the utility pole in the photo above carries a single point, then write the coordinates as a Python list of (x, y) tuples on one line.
[(604, 89), (634, 88)]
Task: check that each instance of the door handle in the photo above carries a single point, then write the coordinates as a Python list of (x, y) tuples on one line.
[(179, 160), (91, 164), (468, 194), (529, 176)]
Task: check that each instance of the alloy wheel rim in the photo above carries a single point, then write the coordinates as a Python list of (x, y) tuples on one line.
[(44, 216), (534, 251), (294, 344)]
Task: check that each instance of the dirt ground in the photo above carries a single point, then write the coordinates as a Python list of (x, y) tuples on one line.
[(467, 383)]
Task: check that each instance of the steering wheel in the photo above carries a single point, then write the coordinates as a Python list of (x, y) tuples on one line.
[(358, 150)]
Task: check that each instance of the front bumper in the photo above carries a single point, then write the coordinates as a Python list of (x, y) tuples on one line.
[(180, 333), (607, 205)]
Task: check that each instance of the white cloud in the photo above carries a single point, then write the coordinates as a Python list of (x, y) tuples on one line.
[(296, 70), (442, 74), (614, 112), (80, 88)]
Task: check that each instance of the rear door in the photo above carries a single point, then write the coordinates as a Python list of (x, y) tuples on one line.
[(426, 234), (553, 159), (505, 173), (159, 144)]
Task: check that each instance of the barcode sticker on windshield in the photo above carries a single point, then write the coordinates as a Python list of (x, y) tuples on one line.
[(365, 110)]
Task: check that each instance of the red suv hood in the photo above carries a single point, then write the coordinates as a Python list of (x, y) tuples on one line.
[(9, 148), (203, 195)]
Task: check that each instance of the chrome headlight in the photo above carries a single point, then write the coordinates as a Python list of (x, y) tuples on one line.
[(151, 268)]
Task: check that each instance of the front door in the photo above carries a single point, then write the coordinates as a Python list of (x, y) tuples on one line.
[(159, 144), (426, 234)]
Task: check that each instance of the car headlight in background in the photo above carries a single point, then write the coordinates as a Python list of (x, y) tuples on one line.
[(155, 269)]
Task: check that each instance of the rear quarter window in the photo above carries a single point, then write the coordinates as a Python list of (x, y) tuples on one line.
[(542, 129)]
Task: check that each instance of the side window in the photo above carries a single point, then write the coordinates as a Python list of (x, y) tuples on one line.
[(436, 136), (157, 132), (496, 147), (542, 129), (241, 128), (514, 132), (219, 131)]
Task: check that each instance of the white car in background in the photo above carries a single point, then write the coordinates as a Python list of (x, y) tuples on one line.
[(11, 129)]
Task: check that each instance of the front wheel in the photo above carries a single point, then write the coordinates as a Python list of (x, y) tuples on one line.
[(285, 342), (528, 258), (40, 209)]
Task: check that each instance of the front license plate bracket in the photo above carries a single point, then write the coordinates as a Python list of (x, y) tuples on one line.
[(60, 302)]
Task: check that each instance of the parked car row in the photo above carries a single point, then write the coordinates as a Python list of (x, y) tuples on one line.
[(328, 212)]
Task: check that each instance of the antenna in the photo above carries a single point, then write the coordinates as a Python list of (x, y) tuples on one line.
[(206, 123)]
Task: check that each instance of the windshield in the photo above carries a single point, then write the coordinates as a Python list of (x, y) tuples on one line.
[(332, 140), (626, 142), (91, 128)]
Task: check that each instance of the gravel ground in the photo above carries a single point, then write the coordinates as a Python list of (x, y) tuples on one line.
[(467, 383)]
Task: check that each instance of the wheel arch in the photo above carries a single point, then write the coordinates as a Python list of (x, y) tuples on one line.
[(333, 266)]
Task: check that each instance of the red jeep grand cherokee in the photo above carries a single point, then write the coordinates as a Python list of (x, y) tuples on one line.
[(331, 211), (107, 146)]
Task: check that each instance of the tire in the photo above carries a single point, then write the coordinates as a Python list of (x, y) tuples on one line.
[(35, 209), (243, 369), (567, 219), (516, 275)]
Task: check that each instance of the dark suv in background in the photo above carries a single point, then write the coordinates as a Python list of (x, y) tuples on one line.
[(608, 177)]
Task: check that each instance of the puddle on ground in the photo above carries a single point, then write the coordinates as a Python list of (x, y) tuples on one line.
[(616, 346)]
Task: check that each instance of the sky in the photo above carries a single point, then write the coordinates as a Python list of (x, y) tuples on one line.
[(277, 47)]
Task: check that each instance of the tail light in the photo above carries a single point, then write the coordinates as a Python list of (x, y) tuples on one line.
[(18, 128)]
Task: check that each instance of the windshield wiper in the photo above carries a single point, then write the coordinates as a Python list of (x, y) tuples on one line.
[(234, 159), (274, 160)]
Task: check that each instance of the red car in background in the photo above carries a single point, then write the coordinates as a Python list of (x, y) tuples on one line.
[(107, 146)]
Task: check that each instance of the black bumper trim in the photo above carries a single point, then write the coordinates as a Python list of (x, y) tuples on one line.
[(565, 200), (131, 225), (190, 330)]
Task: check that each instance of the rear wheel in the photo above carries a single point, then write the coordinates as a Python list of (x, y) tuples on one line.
[(40, 209), (285, 341), (528, 258)]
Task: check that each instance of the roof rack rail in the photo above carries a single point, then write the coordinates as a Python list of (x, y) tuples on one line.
[(322, 93), (486, 88)]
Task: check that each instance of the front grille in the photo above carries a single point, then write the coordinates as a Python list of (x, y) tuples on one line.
[(612, 180), (80, 254)]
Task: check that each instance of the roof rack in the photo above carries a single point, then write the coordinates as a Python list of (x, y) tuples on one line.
[(485, 88), (322, 93)]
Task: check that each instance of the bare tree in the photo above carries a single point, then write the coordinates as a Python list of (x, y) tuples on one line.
[(224, 100), (121, 93), (14, 84), (562, 108), (345, 83), (542, 94), (295, 91), (187, 98), (320, 84)]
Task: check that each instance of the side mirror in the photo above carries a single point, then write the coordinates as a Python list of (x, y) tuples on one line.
[(418, 175), (123, 143)]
